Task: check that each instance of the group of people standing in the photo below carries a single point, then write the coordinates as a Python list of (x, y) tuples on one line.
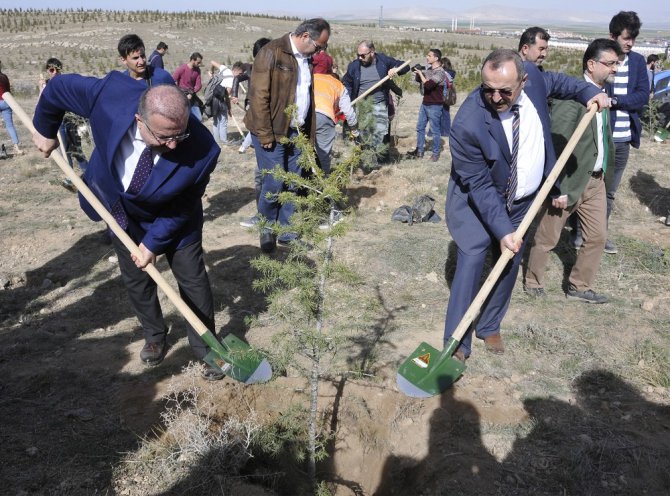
[(154, 157)]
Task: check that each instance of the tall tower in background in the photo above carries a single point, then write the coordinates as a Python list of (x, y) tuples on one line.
[(381, 16)]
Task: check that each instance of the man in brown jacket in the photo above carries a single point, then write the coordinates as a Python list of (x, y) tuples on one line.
[(282, 76)]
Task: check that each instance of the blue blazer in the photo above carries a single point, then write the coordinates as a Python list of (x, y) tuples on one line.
[(167, 212), (481, 158), (352, 79), (637, 95)]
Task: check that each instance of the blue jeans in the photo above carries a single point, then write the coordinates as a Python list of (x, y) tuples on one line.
[(286, 157), (195, 110), (432, 114), (9, 121), (220, 128), (445, 121)]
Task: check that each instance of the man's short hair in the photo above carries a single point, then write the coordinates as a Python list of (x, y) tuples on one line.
[(196, 56), (437, 52), (260, 43), (166, 100), (652, 58), (314, 27), (529, 36), (161, 46), (238, 65), (500, 56), (54, 63), (626, 19), (597, 47), (130, 43), (367, 44)]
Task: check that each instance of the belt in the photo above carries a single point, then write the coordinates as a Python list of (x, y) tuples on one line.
[(524, 199), (596, 174)]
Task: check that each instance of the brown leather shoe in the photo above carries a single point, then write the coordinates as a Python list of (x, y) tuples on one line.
[(153, 353), (494, 344)]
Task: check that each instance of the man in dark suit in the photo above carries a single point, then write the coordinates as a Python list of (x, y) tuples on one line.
[(486, 197), (582, 184), (629, 93), (150, 167)]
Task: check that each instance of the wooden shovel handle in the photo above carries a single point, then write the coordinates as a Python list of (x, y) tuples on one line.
[(84, 190), (507, 255), (377, 85)]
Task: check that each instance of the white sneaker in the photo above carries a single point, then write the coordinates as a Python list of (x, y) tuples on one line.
[(241, 149), (251, 221), (338, 217)]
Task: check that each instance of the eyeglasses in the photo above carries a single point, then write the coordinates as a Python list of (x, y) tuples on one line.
[(164, 140), (363, 55), (318, 48), (505, 93), (610, 63)]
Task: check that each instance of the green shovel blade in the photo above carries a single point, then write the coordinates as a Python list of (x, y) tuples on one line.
[(237, 359), (661, 135), (428, 371)]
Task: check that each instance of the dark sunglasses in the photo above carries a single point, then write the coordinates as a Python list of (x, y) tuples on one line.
[(490, 91)]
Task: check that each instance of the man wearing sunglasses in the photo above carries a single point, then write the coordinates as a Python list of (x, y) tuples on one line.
[(282, 76), (150, 167), (501, 150), (368, 69)]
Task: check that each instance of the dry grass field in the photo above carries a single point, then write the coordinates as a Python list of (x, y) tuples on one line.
[(578, 405)]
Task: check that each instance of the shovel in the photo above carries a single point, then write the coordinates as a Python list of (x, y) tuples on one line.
[(428, 371), (232, 356), (662, 133)]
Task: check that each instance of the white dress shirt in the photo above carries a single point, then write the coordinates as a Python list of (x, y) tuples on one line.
[(128, 154), (302, 96)]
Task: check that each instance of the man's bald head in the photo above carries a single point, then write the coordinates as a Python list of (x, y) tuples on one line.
[(165, 100)]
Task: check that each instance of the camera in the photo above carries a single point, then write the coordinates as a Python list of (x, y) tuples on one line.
[(418, 67)]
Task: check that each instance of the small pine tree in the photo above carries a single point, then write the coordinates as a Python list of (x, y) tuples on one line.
[(296, 287)]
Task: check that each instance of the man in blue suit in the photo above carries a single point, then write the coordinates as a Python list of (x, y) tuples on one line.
[(150, 167), (486, 197)]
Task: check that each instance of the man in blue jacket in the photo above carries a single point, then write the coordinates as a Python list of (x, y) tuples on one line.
[(150, 167), (629, 93), (501, 150), (362, 74)]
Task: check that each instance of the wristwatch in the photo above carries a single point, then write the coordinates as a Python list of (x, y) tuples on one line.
[(614, 100)]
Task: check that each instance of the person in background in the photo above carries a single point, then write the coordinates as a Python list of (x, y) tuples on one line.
[(651, 70), (445, 118), (189, 80), (68, 132), (7, 115), (156, 57), (629, 94), (132, 56), (433, 81), (533, 45)]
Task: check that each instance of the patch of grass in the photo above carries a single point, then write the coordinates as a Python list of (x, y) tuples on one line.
[(653, 364), (637, 255)]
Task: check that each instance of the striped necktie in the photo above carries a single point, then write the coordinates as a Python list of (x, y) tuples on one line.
[(513, 178)]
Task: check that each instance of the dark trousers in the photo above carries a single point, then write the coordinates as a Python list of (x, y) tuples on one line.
[(466, 284), (188, 267), (612, 183)]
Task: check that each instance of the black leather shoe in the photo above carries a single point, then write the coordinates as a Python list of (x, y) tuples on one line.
[(209, 373), (268, 241), (153, 353), (415, 154)]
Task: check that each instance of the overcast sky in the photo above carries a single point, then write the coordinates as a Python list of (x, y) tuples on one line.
[(647, 9)]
